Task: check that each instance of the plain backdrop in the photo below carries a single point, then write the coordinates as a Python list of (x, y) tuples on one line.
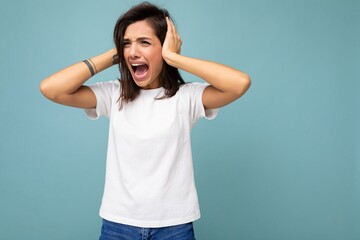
[(283, 162)]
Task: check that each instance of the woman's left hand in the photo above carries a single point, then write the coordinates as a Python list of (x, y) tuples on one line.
[(172, 42)]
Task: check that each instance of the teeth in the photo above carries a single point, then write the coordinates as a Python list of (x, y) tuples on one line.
[(136, 64)]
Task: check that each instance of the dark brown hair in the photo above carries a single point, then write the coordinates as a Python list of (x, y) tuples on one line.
[(170, 78)]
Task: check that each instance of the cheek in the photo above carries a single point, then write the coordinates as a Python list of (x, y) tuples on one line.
[(157, 60), (125, 56), (158, 64)]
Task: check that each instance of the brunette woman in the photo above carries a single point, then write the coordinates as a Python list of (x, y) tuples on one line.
[(149, 187)]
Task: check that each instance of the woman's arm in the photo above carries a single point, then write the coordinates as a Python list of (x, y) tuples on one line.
[(66, 86), (226, 84)]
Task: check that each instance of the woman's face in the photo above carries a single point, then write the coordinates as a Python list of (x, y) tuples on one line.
[(142, 53)]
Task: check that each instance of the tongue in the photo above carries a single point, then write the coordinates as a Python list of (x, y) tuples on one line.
[(141, 69)]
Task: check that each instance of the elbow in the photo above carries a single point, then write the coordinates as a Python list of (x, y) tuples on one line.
[(45, 89), (244, 85), (247, 82)]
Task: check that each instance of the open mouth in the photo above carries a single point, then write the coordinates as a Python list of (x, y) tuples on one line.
[(139, 69)]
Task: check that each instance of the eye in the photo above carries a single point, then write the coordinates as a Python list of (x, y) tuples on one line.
[(144, 42), (126, 44)]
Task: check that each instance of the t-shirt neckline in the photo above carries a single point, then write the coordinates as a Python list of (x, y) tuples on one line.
[(151, 91)]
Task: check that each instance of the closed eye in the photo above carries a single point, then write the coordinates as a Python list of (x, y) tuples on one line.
[(145, 42), (126, 43)]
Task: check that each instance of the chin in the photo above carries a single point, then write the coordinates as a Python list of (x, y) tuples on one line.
[(143, 84)]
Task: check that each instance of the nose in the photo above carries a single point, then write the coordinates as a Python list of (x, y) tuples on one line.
[(134, 51)]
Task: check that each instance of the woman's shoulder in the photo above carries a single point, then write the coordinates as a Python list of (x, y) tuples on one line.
[(192, 87), (106, 88), (112, 83), (109, 83)]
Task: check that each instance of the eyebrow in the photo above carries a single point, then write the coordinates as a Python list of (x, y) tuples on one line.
[(138, 39)]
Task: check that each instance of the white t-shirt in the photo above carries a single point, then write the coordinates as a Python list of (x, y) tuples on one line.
[(149, 170)]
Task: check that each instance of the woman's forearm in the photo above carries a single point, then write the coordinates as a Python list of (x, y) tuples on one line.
[(71, 78), (222, 77)]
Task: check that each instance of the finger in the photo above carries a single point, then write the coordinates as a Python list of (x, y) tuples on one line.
[(174, 29), (172, 26), (169, 27), (176, 33), (173, 34)]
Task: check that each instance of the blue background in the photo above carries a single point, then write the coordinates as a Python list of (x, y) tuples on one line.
[(283, 162)]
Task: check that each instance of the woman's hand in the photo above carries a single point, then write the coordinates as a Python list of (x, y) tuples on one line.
[(227, 83), (172, 42)]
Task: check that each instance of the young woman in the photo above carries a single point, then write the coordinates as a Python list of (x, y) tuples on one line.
[(149, 186)]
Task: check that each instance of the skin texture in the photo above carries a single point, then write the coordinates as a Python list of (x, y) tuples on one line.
[(226, 83)]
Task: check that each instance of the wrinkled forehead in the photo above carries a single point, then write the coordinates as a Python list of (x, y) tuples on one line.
[(139, 29)]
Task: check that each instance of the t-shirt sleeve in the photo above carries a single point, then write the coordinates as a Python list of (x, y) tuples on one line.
[(197, 110), (105, 93)]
